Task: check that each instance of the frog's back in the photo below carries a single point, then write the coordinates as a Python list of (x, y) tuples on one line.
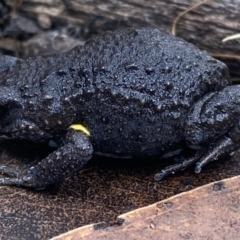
[(146, 64), (151, 64)]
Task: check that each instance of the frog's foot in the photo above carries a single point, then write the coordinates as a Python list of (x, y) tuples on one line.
[(60, 164), (9, 171), (14, 176), (222, 147), (177, 167)]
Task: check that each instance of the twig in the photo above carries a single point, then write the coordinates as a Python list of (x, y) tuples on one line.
[(232, 37), (225, 55), (180, 15)]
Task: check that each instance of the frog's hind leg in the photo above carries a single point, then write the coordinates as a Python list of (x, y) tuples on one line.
[(225, 145), (213, 123), (65, 161)]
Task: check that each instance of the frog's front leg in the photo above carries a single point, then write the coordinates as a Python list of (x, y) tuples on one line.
[(63, 162)]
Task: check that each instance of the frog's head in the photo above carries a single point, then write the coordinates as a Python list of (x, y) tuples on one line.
[(9, 103), (14, 123), (10, 112)]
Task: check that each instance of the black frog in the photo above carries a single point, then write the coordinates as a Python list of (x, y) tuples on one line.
[(131, 93)]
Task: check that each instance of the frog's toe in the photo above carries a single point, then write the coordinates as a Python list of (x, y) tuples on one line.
[(9, 171), (17, 181), (15, 176), (222, 147), (172, 169)]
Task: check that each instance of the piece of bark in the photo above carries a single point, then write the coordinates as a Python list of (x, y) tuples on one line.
[(204, 26), (209, 212)]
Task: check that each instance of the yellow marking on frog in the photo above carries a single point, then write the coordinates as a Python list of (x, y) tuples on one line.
[(80, 127)]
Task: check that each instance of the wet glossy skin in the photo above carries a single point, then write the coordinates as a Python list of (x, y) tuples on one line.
[(138, 92)]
